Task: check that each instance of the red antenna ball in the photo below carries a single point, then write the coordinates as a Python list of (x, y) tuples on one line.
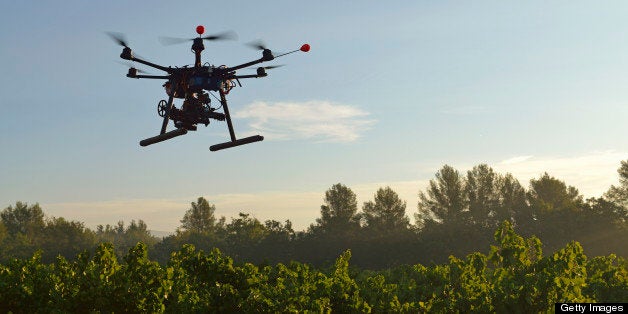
[(200, 29), (305, 48)]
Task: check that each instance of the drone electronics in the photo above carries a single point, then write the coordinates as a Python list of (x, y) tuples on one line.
[(195, 84)]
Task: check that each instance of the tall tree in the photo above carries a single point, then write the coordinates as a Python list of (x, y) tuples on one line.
[(557, 210), (200, 217), (66, 238), (548, 194), (3, 232), (23, 218), (339, 213), (619, 194), (482, 191), (387, 213), (245, 230), (444, 199), (512, 202), (277, 230), (494, 198)]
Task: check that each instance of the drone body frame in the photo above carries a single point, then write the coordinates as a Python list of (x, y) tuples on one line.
[(190, 83)]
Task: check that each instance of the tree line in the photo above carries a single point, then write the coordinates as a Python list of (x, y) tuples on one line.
[(456, 215)]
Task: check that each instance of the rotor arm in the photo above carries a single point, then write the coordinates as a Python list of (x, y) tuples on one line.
[(150, 64), (244, 65), (235, 77), (133, 74), (267, 55), (261, 72), (150, 76)]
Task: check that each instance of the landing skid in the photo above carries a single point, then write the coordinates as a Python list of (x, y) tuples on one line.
[(242, 141), (234, 142), (163, 137)]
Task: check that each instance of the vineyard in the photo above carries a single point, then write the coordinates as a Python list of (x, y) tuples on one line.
[(514, 277), (480, 243)]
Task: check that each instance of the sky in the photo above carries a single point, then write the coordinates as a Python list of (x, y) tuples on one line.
[(389, 93)]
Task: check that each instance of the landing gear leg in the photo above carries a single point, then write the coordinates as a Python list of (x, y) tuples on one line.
[(234, 142), (166, 116), (163, 135), (223, 101)]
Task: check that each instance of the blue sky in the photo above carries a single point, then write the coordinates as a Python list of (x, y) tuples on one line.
[(389, 93)]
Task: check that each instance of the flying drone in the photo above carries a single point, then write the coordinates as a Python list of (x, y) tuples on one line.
[(195, 84)]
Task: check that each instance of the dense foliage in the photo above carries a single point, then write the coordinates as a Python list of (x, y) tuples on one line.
[(245, 264), (514, 277)]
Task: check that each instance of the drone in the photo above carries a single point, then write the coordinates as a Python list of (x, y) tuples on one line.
[(194, 84)]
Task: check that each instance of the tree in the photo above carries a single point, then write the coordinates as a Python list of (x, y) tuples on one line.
[(512, 202), (386, 213), (338, 214), (494, 198), (66, 238), (200, 217), (3, 232), (602, 227), (245, 230), (482, 191), (445, 199), (23, 218), (548, 194), (619, 194), (125, 238), (138, 232), (557, 211)]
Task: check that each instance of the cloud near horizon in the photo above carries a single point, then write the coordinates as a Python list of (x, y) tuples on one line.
[(323, 121), (300, 207), (591, 173)]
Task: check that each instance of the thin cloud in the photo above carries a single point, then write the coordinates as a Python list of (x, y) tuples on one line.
[(322, 121), (591, 173), (515, 160)]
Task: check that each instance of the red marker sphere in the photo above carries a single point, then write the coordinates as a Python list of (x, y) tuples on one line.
[(200, 29), (305, 48)]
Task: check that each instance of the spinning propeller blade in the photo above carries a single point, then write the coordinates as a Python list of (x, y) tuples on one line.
[(268, 67), (273, 66), (257, 44), (228, 35), (119, 38), (260, 45)]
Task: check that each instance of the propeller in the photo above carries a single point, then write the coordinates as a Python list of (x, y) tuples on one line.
[(267, 54), (268, 67), (228, 35), (257, 45), (119, 38)]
